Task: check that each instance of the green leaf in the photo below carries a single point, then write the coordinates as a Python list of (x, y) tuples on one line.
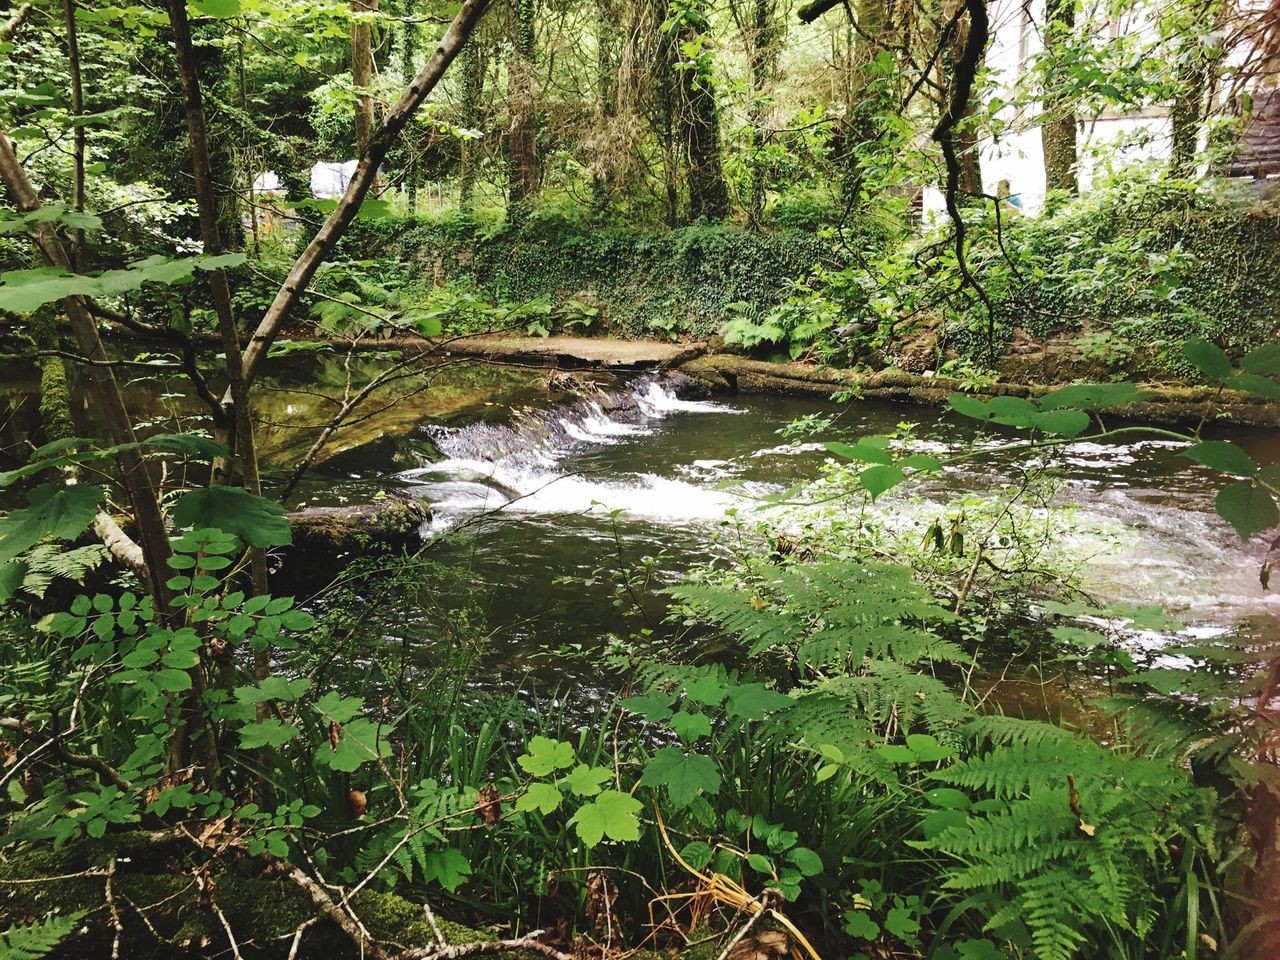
[(941, 821), (612, 815), (359, 742), (862, 452), (760, 863), (546, 755), (543, 797), (221, 9), (1065, 422), (876, 480), (806, 861), (1222, 455), (1265, 360), (12, 574), (653, 706), (172, 681), (706, 690), (968, 406), (683, 776), (1248, 508), (253, 519), (1092, 396), (271, 732), (585, 781), (922, 462), (751, 701), (690, 726), (696, 853), (448, 867), (1254, 383), (53, 510), (1207, 358), (335, 707)]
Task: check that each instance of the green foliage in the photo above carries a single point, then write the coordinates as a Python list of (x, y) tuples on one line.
[(36, 940), (643, 282)]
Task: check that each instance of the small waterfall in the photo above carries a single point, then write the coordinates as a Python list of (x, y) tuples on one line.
[(519, 464)]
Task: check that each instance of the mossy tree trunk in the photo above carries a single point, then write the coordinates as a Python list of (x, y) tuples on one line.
[(699, 121), (522, 132), (469, 152), (861, 100), (1058, 128)]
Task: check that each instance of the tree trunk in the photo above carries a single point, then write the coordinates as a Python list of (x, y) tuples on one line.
[(472, 81), (522, 134), (761, 36), (700, 126), (362, 71), (1187, 114), (861, 125), (963, 131), (664, 95), (409, 53), (1058, 128)]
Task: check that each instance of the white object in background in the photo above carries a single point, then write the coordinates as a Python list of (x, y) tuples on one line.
[(330, 180)]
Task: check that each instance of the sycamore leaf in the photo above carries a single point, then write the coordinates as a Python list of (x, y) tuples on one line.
[(271, 732), (546, 755), (53, 510), (585, 781), (690, 726), (612, 814), (234, 510), (751, 701), (653, 706), (543, 797), (706, 690), (683, 776)]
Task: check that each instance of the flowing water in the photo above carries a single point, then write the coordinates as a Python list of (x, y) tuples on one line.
[(540, 510)]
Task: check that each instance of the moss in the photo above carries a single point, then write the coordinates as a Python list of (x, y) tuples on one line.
[(153, 875), (1166, 404)]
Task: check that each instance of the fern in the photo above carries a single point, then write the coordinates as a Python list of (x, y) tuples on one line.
[(1077, 861), (37, 939), (829, 615)]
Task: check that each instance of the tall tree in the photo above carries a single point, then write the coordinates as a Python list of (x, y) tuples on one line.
[(472, 87), (1058, 126), (699, 113), (362, 68), (522, 131)]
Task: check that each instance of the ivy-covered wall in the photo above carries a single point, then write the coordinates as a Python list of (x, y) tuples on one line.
[(1160, 279), (645, 282)]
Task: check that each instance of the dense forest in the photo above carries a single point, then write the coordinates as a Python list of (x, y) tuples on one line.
[(714, 479)]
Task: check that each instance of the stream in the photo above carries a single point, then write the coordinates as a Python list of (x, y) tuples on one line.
[(539, 509)]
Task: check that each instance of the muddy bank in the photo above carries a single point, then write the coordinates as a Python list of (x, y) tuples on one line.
[(722, 372)]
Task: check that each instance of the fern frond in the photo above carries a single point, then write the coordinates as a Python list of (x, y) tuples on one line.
[(37, 939)]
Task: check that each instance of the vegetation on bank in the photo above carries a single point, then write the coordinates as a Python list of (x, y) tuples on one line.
[(191, 762)]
